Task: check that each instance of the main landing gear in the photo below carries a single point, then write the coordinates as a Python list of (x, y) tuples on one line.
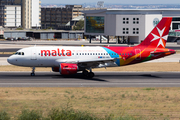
[(88, 74), (33, 71)]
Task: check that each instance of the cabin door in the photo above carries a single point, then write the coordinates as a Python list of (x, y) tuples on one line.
[(33, 54)]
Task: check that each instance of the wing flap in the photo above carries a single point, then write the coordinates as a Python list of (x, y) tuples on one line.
[(98, 60), (86, 60)]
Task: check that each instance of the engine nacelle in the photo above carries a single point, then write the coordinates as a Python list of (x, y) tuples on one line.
[(66, 69)]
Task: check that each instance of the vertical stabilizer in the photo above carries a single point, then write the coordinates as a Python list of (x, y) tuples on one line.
[(159, 35)]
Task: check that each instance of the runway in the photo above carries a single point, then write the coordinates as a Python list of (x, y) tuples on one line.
[(102, 79)]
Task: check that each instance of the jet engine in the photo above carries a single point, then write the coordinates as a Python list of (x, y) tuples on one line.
[(66, 69), (55, 69)]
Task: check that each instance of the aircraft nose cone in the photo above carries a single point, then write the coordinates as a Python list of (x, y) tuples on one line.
[(9, 60)]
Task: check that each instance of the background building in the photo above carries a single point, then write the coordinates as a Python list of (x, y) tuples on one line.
[(2, 4), (57, 18), (30, 13), (134, 24), (12, 16), (36, 13)]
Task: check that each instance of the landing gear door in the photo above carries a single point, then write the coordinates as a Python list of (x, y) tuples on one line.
[(33, 54), (138, 54)]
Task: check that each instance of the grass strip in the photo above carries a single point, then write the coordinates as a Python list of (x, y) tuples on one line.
[(97, 103)]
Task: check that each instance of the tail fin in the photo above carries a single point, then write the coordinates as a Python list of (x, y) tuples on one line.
[(159, 35)]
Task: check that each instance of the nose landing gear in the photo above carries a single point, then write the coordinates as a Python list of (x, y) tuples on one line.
[(33, 71)]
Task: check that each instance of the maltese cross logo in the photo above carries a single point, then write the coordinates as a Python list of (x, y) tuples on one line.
[(160, 37)]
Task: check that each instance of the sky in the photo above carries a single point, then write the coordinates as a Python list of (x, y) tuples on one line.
[(111, 1)]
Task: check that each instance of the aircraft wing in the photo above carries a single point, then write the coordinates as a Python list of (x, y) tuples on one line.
[(95, 62), (89, 62), (99, 60)]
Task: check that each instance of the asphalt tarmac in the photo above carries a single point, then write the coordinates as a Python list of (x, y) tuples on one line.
[(101, 79), (14, 46)]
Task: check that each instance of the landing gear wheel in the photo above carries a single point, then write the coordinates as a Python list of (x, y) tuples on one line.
[(85, 73), (32, 74), (91, 75)]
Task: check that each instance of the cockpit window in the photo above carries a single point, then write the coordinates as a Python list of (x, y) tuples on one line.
[(19, 53)]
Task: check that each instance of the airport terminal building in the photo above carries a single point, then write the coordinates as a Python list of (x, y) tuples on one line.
[(135, 24)]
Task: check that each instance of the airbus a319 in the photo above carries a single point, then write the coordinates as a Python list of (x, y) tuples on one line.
[(70, 60)]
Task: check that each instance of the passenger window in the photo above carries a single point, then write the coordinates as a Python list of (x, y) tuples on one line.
[(128, 54), (19, 53), (101, 53), (82, 53), (125, 53), (90, 53), (122, 53), (77, 53), (106, 53)]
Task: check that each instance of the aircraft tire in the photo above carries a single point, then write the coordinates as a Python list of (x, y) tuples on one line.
[(85, 73), (91, 75), (32, 74)]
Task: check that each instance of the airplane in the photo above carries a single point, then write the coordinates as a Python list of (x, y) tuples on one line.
[(68, 60)]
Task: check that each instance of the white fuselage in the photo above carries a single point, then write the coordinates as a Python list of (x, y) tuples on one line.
[(53, 56)]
